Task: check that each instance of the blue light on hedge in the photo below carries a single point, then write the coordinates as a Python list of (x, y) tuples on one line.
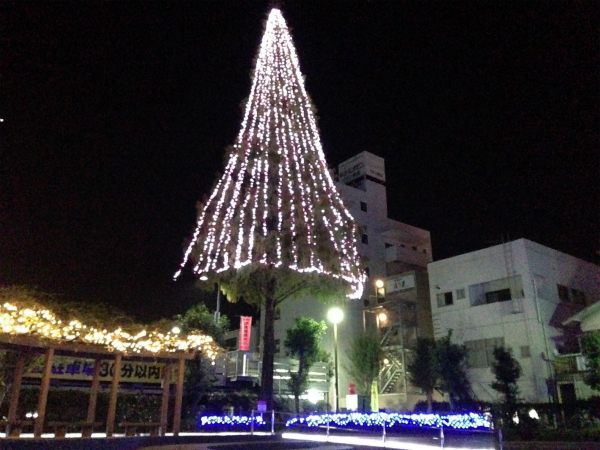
[(456, 421), (208, 421)]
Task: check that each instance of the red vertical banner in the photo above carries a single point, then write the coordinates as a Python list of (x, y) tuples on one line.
[(245, 330)]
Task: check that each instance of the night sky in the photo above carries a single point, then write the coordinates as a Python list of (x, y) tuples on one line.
[(117, 114)]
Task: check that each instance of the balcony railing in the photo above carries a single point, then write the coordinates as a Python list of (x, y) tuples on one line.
[(247, 365), (404, 254), (565, 364)]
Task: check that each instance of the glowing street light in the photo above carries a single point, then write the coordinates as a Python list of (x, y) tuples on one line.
[(336, 315), (380, 290)]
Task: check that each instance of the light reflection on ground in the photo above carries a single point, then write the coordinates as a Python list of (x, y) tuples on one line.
[(390, 442)]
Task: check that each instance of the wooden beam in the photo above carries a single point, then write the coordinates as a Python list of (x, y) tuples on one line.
[(91, 414), (164, 410), (43, 399), (178, 397), (114, 389), (16, 388)]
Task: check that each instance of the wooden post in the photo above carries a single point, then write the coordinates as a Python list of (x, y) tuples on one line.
[(16, 388), (91, 414), (43, 399), (164, 410), (114, 389), (178, 397)]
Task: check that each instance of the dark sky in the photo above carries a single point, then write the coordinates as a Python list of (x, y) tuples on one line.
[(116, 116)]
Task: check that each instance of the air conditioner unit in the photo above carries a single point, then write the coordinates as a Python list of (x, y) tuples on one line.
[(581, 362)]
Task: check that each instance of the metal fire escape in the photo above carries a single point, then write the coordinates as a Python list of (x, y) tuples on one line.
[(396, 325)]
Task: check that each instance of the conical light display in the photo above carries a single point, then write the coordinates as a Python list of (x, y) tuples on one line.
[(276, 204)]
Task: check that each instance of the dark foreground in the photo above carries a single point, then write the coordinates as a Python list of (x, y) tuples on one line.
[(244, 442)]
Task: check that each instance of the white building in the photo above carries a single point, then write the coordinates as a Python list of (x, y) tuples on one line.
[(518, 295)]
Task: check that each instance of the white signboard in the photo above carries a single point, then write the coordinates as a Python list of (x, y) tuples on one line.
[(400, 283), (362, 164)]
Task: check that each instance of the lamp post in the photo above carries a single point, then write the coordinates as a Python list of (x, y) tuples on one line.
[(335, 316)]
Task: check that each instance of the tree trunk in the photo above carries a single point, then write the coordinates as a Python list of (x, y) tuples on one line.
[(451, 402), (266, 378), (4, 388), (297, 403), (300, 384), (429, 401)]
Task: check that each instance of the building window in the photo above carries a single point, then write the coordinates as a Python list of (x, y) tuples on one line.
[(365, 239), (445, 299), (494, 291), (525, 351), (460, 294), (563, 292), (501, 295), (363, 206), (480, 352)]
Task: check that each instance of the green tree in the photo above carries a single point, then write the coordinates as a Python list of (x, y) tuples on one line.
[(200, 318), (451, 360), (365, 356), (303, 341), (590, 348), (507, 371), (274, 226), (198, 374), (423, 369)]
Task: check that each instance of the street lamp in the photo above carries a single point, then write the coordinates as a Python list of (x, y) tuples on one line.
[(336, 315), (380, 297), (380, 290)]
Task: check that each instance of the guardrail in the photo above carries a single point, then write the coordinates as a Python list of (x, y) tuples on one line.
[(394, 430)]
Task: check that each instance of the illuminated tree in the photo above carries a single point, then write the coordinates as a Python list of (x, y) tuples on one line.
[(274, 226)]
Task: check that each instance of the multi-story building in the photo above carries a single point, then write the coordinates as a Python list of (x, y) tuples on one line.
[(518, 295)]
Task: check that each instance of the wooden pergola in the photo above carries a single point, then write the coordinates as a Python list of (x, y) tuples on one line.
[(25, 345)]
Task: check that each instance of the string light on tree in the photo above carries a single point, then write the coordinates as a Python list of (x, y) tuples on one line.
[(276, 204), (274, 227), (37, 321), (456, 421)]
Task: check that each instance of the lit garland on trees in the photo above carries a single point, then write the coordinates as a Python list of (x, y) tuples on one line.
[(470, 421), (230, 421), (36, 321), (276, 204)]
